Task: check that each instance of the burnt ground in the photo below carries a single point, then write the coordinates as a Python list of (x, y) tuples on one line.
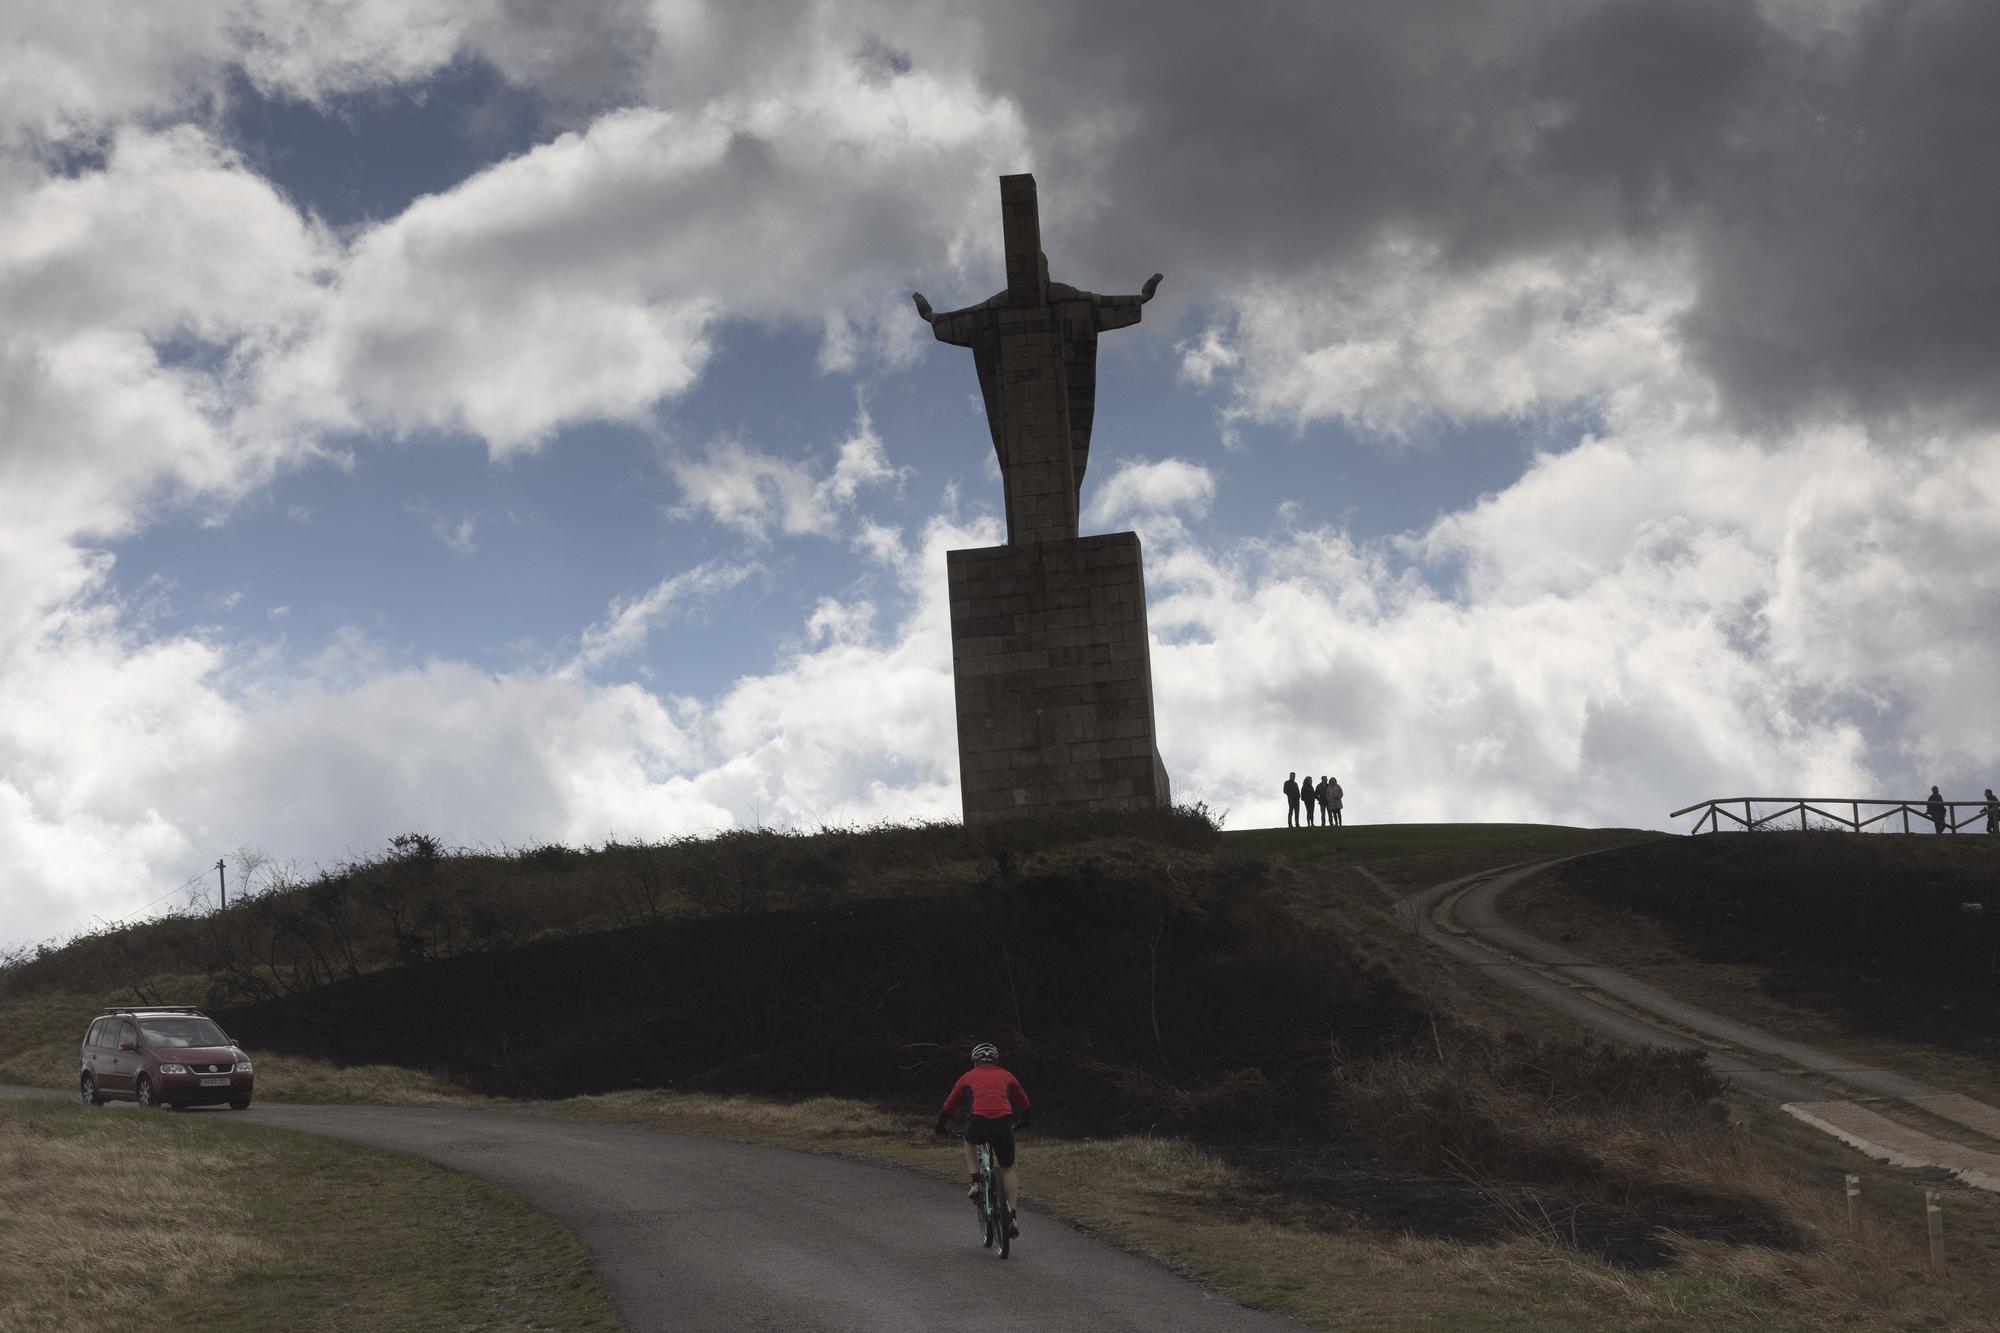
[(1887, 935), (1347, 1184), (877, 1000)]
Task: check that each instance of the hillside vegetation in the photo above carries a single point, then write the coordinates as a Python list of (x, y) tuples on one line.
[(1321, 1072), (1140, 977), (1893, 935)]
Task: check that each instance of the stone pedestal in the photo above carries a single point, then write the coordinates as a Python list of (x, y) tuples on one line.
[(1053, 677)]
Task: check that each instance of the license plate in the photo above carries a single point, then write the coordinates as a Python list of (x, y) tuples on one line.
[(215, 1083)]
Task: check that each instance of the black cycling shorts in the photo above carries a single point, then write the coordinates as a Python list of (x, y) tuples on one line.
[(997, 1130)]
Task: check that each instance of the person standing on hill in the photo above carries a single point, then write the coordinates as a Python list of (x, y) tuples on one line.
[(1934, 807), (1306, 795), (1332, 795), (1292, 801), (1325, 810), (1992, 812), (990, 1096)]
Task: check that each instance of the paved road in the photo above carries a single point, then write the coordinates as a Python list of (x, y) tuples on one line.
[(691, 1233), (1881, 1112)]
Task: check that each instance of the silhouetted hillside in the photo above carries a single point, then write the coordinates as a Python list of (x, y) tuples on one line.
[(1147, 994), (1896, 934), (1140, 974)]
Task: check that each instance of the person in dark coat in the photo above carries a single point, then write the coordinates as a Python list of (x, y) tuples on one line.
[(1292, 801), (1934, 807), (1306, 795), (1325, 810), (1992, 812)]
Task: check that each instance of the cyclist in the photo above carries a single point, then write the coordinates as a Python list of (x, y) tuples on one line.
[(991, 1095)]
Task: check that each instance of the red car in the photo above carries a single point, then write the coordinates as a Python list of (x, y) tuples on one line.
[(167, 1055)]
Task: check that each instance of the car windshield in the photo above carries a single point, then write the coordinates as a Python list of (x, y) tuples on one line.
[(181, 1032)]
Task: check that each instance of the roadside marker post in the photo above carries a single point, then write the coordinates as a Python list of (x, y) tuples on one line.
[(1854, 1206), (1934, 1215)]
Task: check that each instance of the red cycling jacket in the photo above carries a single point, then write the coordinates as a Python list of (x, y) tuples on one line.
[(991, 1091)]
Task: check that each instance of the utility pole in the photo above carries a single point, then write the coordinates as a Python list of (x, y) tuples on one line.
[(222, 882)]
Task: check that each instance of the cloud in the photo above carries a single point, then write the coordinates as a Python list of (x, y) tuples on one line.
[(632, 620), (1641, 622), (127, 764), (761, 495), (584, 280), (134, 302), (1817, 172), (1396, 341), (1139, 490), (1745, 247), (458, 534)]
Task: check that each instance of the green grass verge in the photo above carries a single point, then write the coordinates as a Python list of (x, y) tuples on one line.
[(115, 1216)]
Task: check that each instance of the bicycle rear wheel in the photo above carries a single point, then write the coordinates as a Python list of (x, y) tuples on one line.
[(987, 1187)]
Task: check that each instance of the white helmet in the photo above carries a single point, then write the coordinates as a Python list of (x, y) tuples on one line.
[(986, 1053)]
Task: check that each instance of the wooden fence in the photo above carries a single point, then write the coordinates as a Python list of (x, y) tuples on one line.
[(1843, 812)]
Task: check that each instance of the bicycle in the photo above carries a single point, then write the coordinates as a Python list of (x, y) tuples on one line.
[(992, 1203)]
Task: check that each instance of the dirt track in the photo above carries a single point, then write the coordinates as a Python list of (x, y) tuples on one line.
[(1880, 1111)]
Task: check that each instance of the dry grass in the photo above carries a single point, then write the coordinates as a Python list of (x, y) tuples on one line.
[(293, 1078), (100, 1217), (1176, 1203), (111, 1211)]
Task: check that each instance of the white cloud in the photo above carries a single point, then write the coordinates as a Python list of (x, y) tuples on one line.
[(1403, 336), (128, 764), (132, 302), (1595, 213), (1138, 490), (458, 534), (761, 495), (1200, 361), (1643, 622), (632, 620), (584, 280)]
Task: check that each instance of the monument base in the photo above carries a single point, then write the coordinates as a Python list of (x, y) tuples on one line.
[(1053, 678)]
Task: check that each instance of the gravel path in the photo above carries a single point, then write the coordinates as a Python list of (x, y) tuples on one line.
[(1881, 1112)]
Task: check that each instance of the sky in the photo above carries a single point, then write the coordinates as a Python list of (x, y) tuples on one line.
[(508, 421)]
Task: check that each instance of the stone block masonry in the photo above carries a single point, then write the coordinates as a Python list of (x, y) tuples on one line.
[(1048, 633), (1053, 677)]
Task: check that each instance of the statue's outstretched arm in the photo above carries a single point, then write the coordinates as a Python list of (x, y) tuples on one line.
[(953, 326), (1115, 312)]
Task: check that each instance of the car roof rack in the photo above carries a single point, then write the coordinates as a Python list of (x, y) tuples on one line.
[(154, 1009)]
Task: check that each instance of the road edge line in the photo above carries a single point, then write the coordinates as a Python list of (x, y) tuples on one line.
[(1894, 1157)]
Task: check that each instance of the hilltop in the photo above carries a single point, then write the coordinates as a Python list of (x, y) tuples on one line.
[(1249, 993)]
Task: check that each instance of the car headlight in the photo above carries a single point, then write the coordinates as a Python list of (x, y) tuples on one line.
[(242, 1066), (173, 1069)]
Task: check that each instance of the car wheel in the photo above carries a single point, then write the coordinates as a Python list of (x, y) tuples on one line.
[(144, 1091), (90, 1097), (239, 1103)]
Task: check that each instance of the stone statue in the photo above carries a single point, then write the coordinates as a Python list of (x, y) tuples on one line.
[(1035, 348)]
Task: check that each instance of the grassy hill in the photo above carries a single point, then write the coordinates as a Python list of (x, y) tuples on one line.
[(1248, 994), (1896, 936)]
